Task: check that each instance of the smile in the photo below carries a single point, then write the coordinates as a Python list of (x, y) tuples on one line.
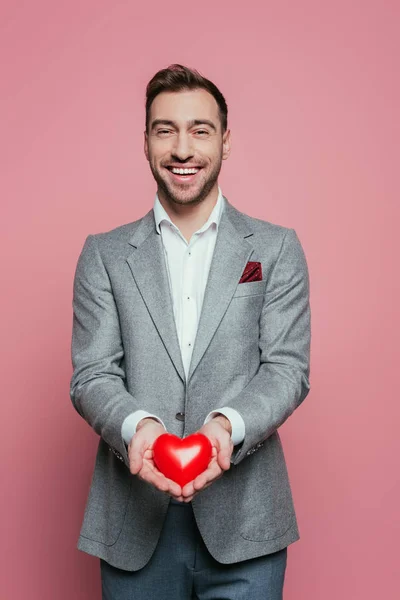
[(183, 174)]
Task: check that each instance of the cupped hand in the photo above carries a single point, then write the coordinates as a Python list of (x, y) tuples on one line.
[(141, 462), (218, 431)]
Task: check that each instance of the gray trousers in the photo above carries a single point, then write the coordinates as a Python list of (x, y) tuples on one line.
[(181, 568)]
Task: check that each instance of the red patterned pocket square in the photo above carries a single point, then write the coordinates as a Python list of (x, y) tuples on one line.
[(252, 272)]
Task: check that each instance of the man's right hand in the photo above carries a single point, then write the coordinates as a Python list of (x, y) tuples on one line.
[(141, 463)]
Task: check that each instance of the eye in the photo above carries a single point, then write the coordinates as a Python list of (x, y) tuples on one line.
[(162, 131), (202, 131)]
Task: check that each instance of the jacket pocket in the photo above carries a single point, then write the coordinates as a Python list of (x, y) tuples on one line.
[(108, 499), (269, 531)]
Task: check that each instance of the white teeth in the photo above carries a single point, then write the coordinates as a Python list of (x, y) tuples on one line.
[(184, 171)]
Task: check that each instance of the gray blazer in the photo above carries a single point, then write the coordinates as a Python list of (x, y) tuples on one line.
[(251, 353)]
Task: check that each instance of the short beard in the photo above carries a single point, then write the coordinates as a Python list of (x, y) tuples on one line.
[(202, 195)]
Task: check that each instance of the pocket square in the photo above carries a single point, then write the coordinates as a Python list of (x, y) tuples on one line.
[(252, 272)]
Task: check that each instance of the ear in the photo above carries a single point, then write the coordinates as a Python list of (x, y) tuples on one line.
[(146, 146), (226, 144)]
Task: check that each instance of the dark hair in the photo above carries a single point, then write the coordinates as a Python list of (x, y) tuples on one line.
[(177, 78)]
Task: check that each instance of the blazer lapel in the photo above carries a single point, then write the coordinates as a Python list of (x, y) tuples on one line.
[(148, 267), (231, 253), (147, 263)]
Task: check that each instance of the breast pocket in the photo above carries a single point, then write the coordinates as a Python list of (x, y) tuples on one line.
[(250, 288)]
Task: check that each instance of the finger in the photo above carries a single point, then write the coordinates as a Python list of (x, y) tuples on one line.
[(135, 462), (152, 475), (224, 459), (189, 498), (188, 490), (206, 485), (213, 472), (224, 455), (185, 499), (155, 470), (178, 498), (136, 453), (174, 489), (147, 474)]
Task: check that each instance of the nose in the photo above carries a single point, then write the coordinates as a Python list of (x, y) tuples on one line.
[(182, 149)]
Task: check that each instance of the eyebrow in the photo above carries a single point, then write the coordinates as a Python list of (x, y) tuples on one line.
[(190, 124)]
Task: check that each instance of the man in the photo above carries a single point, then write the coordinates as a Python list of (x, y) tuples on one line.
[(195, 317)]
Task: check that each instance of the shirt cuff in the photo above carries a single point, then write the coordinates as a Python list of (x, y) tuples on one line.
[(130, 423), (236, 420)]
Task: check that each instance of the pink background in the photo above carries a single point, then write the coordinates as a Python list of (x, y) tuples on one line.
[(313, 95)]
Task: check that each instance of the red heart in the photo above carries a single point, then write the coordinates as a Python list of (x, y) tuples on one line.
[(182, 459)]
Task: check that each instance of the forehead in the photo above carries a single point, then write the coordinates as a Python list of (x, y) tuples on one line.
[(184, 106)]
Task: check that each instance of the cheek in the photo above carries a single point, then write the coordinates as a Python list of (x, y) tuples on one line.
[(159, 151)]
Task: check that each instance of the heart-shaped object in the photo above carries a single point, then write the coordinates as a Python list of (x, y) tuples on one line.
[(182, 459)]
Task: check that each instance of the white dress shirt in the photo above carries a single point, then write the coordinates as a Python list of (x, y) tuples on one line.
[(188, 265)]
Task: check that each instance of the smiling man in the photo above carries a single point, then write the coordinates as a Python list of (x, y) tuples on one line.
[(195, 317)]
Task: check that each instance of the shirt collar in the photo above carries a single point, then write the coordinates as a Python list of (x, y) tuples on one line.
[(160, 214)]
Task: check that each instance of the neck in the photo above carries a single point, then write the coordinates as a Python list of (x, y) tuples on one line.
[(189, 217)]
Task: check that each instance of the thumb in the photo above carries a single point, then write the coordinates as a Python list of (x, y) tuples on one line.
[(136, 452), (224, 456)]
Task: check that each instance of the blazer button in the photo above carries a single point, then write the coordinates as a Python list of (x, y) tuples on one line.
[(180, 416)]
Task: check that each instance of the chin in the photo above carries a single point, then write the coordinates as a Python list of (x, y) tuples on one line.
[(183, 196), (185, 199)]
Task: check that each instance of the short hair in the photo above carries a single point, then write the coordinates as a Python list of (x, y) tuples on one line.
[(176, 78)]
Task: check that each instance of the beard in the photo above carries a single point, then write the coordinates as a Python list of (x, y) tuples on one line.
[(185, 194)]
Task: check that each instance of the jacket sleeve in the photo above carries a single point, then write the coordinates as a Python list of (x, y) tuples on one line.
[(282, 380), (97, 389)]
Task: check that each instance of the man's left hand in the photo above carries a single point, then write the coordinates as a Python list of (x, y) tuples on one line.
[(218, 431)]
